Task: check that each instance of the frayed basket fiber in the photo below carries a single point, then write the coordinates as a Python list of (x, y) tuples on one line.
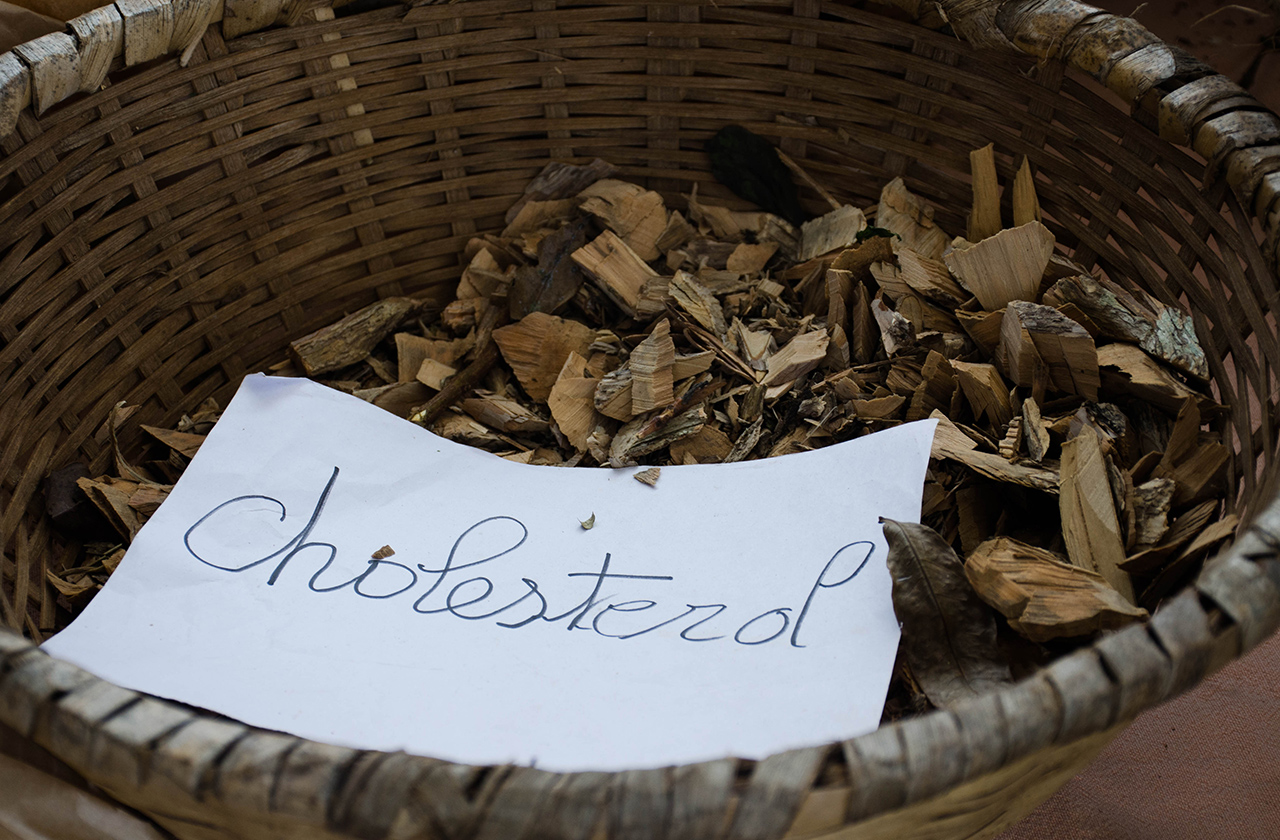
[(187, 185)]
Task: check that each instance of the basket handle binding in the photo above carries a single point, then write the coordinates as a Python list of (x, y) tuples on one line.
[(125, 740)]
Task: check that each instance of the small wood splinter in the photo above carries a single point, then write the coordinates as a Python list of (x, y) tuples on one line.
[(383, 553), (649, 476)]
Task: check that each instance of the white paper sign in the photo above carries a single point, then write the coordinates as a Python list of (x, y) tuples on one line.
[(733, 609)]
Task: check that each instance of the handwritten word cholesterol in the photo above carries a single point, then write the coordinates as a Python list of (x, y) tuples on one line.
[(448, 593)]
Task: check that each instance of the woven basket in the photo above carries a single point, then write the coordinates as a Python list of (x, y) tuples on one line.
[(221, 177)]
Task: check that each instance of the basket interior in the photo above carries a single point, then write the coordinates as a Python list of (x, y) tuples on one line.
[(173, 231)]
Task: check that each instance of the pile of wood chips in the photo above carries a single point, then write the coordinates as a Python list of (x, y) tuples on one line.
[(1071, 467)]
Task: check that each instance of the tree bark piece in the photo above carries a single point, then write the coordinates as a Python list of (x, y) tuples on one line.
[(1031, 331), (351, 339), (861, 257), (750, 258), (1165, 332), (1184, 529), (561, 180), (1151, 501), (896, 332), (1034, 431), (1043, 597), (1089, 523)]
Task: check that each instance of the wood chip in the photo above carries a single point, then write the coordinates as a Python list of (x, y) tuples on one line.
[(571, 401), (540, 215), (1043, 597), (147, 499), (399, 399), (635, 214), (1089, 524), (800, 355), (751, 258), (951, 446), (906, 215), (1126, 369), (434, 374), (1195, 465), (983, 328), (503, 413), (181, 442), (1026, 206), (111, 497), (930, 279), (649, 476), (835, 231), (985, 390), (699, 301), (984, 219), (651, 376), (708, 446), (561, 180), (1033, 336), (1004, 267), (536, 348), (623, 275)]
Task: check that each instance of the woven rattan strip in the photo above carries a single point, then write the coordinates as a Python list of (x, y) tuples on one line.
[(187, 186)]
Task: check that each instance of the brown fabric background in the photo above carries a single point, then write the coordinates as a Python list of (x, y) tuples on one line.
[(1203, 766)]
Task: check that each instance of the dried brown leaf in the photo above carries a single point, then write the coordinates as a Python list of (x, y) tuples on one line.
[(948, 633)]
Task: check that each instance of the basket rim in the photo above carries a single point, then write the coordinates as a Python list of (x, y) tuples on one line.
[(1194, 105), (1233, 605)]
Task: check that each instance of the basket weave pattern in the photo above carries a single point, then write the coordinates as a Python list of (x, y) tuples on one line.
[(207, 189)]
